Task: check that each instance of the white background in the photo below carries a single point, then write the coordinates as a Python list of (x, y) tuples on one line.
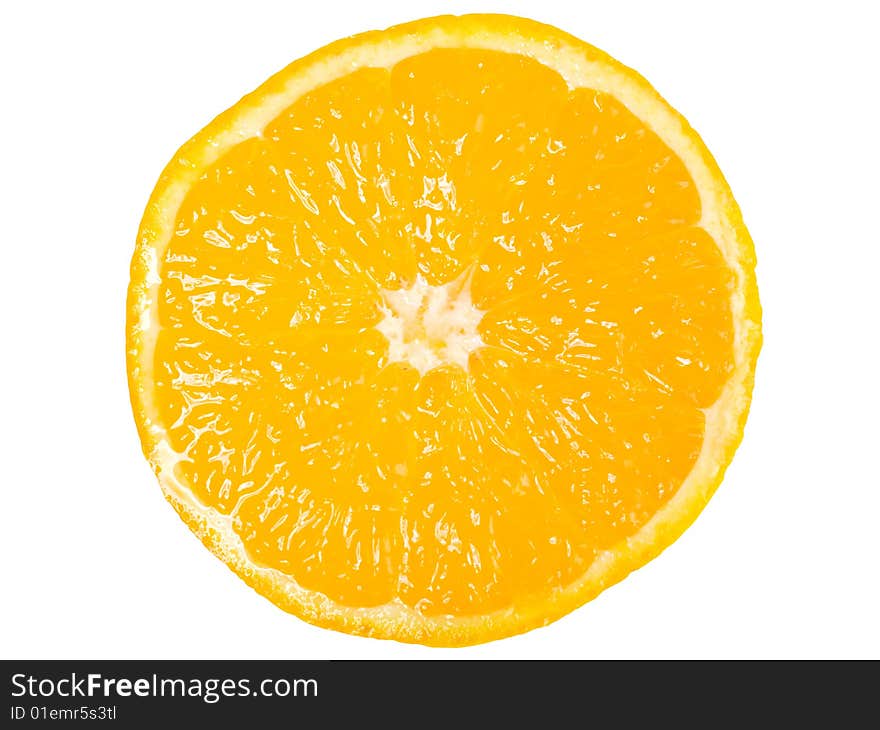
[(97, 97)]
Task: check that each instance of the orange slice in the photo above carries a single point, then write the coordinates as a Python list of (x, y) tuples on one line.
[(442, 330)]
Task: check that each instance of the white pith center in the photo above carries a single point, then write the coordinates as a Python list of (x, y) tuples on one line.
[(428, 326)]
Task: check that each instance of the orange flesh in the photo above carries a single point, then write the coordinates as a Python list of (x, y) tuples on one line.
[(606, 328)]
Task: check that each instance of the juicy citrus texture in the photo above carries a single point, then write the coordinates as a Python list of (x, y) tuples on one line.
[(434, 340)]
